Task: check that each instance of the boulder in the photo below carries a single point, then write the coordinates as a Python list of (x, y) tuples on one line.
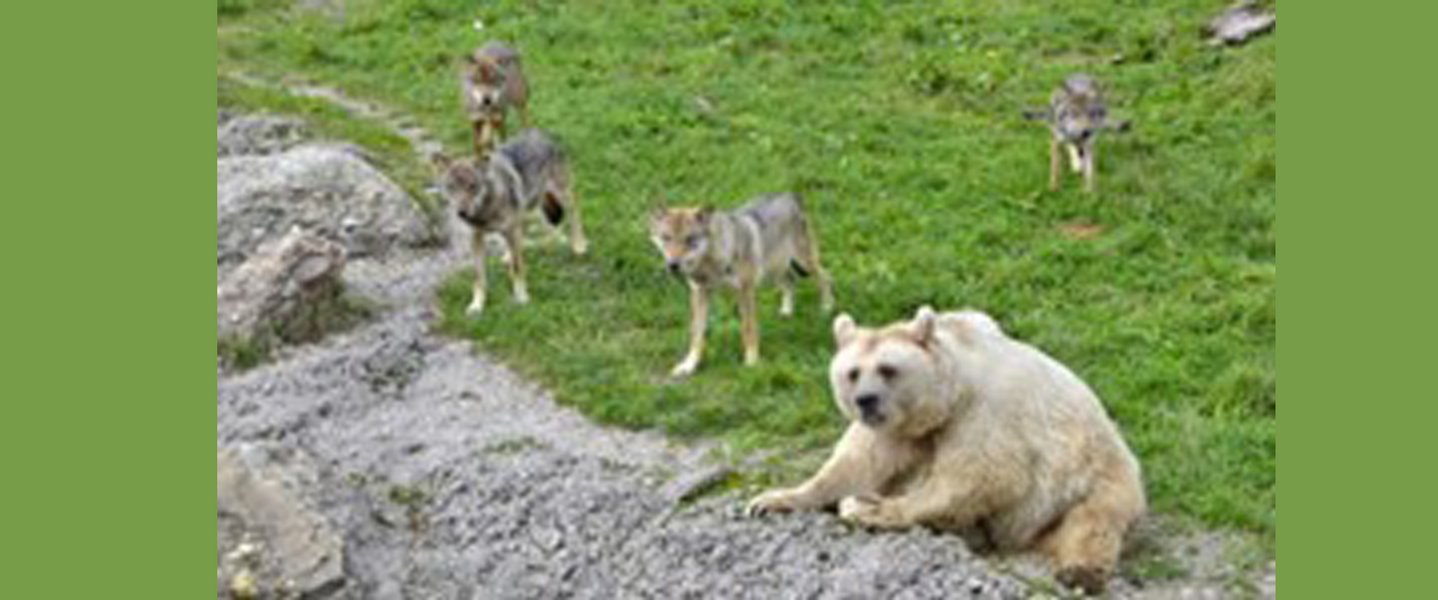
[(271, 542), (289, 291), (327, 189), (257, 134), (1240, 22)]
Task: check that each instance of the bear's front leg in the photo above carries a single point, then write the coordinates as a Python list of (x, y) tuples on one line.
[(877, 513), (861, 464), (947, 495)]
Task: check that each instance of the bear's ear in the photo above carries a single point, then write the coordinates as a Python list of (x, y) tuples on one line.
[(923, 325), (843, 329)]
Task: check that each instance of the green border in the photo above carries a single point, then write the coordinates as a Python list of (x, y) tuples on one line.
[(1357, 168), (105, 388), (104, 236)]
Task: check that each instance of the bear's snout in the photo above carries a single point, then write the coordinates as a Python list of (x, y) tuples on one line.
[(869, 408)]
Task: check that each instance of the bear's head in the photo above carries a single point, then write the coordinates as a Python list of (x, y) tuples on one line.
[(892, 379)]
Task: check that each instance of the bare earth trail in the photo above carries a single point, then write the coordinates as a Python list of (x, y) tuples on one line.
[(447, 476)]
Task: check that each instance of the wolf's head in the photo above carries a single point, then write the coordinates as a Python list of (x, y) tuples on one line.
[(1078, 110), (681, 235), (484, 78), (464, 185)]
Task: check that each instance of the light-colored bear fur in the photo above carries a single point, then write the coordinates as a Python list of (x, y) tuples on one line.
[(970, 428)]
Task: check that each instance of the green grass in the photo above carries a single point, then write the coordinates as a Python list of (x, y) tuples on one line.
[(902, 125)]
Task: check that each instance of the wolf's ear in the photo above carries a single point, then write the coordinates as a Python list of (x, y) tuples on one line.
[(1121, 126), (844, 329), (658, 207), (924, 323), (705, 212)]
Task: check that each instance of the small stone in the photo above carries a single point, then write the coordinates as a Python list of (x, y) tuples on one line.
[(242, 585)]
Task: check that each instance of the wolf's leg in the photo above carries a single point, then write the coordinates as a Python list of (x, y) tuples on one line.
[(476, 304), (499, 129), (807, 250), (514, 237), (698, 320), (1056, 161), (577, 242), (749, 321), (1090, 176), (1075, 159), (786, 289), (482, 138)]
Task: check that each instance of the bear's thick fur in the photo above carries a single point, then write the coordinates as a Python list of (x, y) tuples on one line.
[(957, 426)]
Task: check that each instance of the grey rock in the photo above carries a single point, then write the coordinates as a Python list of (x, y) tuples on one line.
[(289, 291), (271, 541), (1240, 22), (325, 189), (257, 134)]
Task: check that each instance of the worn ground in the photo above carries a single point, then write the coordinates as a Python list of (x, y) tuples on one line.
[(448, 476)]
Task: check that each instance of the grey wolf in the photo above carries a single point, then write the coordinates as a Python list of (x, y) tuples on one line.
[(491, 82), (768, 238), (1076, 113), (528, 172)]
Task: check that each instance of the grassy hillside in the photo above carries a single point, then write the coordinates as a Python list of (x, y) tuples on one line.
[(902, 125)]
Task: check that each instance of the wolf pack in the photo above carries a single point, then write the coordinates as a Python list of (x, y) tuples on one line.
[(953, 424)]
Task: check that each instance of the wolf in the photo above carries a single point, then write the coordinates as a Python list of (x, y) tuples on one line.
[(1076, 113), (492, 81), (769, 237), (527, 172)]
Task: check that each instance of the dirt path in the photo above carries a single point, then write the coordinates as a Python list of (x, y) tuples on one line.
[(447, 476)]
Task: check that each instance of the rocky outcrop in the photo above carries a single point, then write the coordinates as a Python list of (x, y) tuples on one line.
[(271, 543), (257, 134), (290, 291), (330, 190)]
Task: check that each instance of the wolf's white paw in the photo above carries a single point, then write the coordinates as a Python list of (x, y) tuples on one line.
[(685, 368)]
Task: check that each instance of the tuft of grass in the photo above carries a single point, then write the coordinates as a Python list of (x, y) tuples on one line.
[(902, 124), (407, 496), (242, 353)]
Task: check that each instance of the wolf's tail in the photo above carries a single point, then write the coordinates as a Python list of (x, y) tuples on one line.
[(797, 269), (553, 210)]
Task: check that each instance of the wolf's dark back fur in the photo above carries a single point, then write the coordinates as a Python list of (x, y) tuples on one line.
[(531, 152)]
